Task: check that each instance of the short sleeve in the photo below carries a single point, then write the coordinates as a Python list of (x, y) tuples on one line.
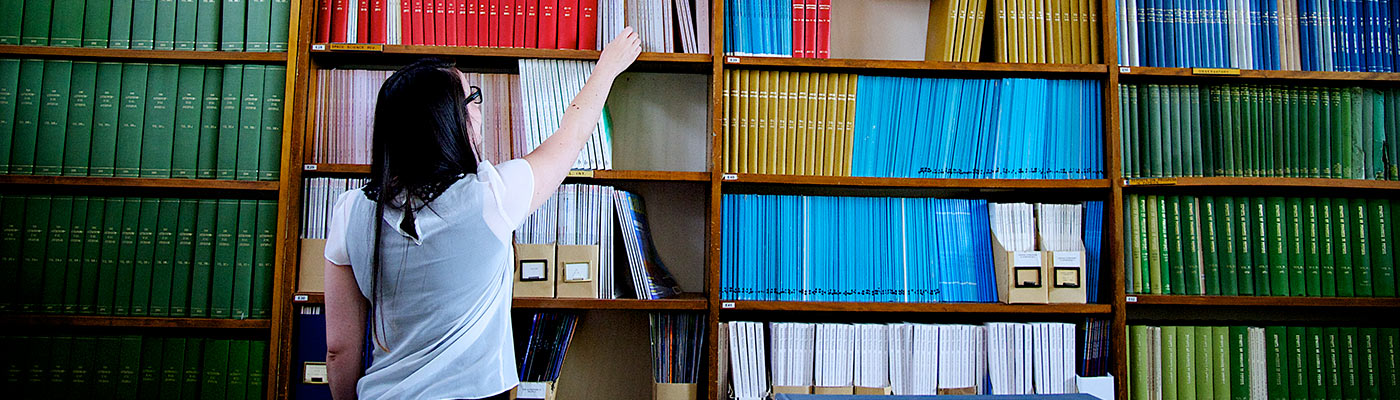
[(337, 249), (512, 186)]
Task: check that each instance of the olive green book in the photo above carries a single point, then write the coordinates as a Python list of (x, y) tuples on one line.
[(1135, 247), (143, 269), (12, 16), (1368, 362), (9, 87), (221, 288), (106, 106), (1332, 364), (1190, 246), (1176, 282), (206, 34), (1204, 365), (1263, 271), (264, 259), (12, 214), (112, 215), (1312, 270), (32, 256), (162, 271), (236, 373), (205, 153), (245, 247), (1225, 225), (73, 272), (165, 21), (1293, 231), (230, 104), (278, 31), (1360, 251), (186, 18), (104, 376), (1276, 215), (1388, 355), (1326, 248), (257, 23), (92, 256), (77, 140), (1276, 358), (59, 363), (1209, 241), (53, 117), (131, 120), (215, 362), (162, 98), (143, 24), (56, 254), (1239, 363), (1169, 368), (1382, 254), (233, 13), (182, 262), (119, 37), (250, 123), (28, 101), (270, 139), (1143, 275), (172, 368), (148, 377), (129, 367), (1346, 340), (206, 218), (34, 28), (193, 367), (188, 107), (97, 20), (126, 256), (1220, 361), (1342, 241)]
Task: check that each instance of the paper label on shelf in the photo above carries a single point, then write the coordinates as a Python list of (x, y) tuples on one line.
[(532, 390), (1069, 259), (354, 47), (1132, 299), (1125, 70), (580, 173), (734, 60), (308, 167), (1149, 181), (1025, 259), (577, 272), (318, 47), (301, 297), (730, 177), (727, 304), (1216, 71)]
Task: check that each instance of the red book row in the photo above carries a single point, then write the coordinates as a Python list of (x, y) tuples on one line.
[(544, 24), (811, 28)]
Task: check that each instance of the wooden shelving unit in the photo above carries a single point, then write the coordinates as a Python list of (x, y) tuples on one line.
[(876, 66), (689, 302), (498, 52), (54, 321), (169, 56)]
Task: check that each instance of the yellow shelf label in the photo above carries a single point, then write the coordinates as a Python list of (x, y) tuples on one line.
[(1216, 71), (1149, 181), (580, 173), (354, 47)]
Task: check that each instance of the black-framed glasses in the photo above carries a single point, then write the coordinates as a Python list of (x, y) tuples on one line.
[(475, 96)]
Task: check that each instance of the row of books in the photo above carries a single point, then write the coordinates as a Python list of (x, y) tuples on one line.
[(1274, 362), (204, 25), (79, 118), (135, 367), (158, 257), (1045, 31), (677, 346), (800, 123), (778, 28), (1260, 246), (997, 358), (1265, 131), (1094, 346), (1308, 35), (955, 30), (547, 89), (540, 350), (318, 196)]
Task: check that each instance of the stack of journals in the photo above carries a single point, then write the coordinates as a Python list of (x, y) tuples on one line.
[(208, 25), (541, 352), (1311, 35), (137, 256), (1230, 130), (650, 278), (955, 30), (794, 123), (1275, 362), (778, 28), (742, 343), (1046, 31), (1260, 246), (135, 367), (677, 346), (79, 118), (548, 87), (351, 95), (1094, 347), (318, 198)]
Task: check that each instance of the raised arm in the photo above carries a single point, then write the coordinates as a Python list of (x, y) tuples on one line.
[(552, 160)]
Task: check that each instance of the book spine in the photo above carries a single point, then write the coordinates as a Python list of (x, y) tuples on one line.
[(270, 137), (78, 136), (56, 255), (210, 104), (119, 36), (588, 25), (471, 37), (34, 27), (148, 374), (1342, 239), (9, 90), (105, 121), (159, 135), (166, 19), (181, 261), (1278, 246), (323, 21), (340, 17), (1382, 252), (799, 21), (172, 366), (257, 24), (190, 377), (130, 120), (377, 22), (549, 25), (264, 259), (162, 266), (206, 223), (12, 13), (77, 239), (143, 268), (126, 256), (1210, 250), (215, 363), (209, 13), (250, 124), (188, 107), (11, 242), (222, 273), (362, 21), (568, 24), (66, 29), (1225, 225), (232, 31), (823, 42), (31, 274), (110, 233), (244, 249), (230, 104), (505, 30), (53, 117), (143, 24)]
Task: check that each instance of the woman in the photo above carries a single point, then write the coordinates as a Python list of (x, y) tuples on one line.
[(425, 246)]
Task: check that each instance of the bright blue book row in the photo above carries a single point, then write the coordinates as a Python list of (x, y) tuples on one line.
[(978, 128), (1311, 35), (758, 27), (1093, 247)]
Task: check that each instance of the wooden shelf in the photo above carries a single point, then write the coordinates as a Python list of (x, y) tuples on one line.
[(842, 64), (1251, 74), (966, 308), (163, 183), (1316, 183), (503, 52), (131, 322), (919, 182), (88, 53), (1264, 301), (693, 302), (602, 174)]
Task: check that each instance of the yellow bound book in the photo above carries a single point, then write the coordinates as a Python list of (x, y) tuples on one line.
[(979, 25), (728, 121), (799, 137), (1001, 30), (1090, 33), (780, 124), (849, 125), (792, 102), (959, 24), (746, 159), (940, 31)]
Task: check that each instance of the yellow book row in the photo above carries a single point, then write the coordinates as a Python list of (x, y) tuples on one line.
[(791, 123), (1047, 31), (955, 29)]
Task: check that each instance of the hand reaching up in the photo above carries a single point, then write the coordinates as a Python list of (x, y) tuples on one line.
[(619, 54)]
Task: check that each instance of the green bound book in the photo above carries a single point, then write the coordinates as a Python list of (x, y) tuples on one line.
[(59, 364), (1368, 362), (28, 99), (1239, 363), (189, 106), (1225, 227), (1276, 215), (244, 248), (1154, 131), (234, 13), (111, 248), (38, 362), (1136, 243), (32, 255), (148, 378), (257, 367), (1176, 283), (1326, 248), (1382, 253), (77, 144), (1139, 385), (34, 28), (206, 34), (162, 271), (144, 266), (187, 14), (200, 273), (250, 123), (264, 259), (1346, 341), (1141, 272), (1205, 362), (165, 19), (131, 119), (1276, 345), (1312, 272), (1342, 241), (66, 27), (1170, 367), (1313, 131), (12, 16), (104, 379), (1210, 262), (1244, 256), (11, 242), (270, 138), (1332, 364), (1341, 131), (106, 106), (1220, 374), (56, 254), (9, 88), (1297, 362), (143, 24), (1259, 221), (236, 373), (129, 368), (73, 271), (172, 368), (97, 20), (1360, 251), (230, 104), (1190, 247), (215, 384), (92, 256), (17, 365), (183, 260), (126, 256), (222, 275), (256, 32), (162, 98), (1388, 354), (53, 117), (194, 366), (1293, 231), (278, 31), (119, 37), (1157, 244), (1316, 373), (209, 122)]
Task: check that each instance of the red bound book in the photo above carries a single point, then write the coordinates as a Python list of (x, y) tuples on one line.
[(588, 24), (811, 30), (532, 24), (406, 32), (378, 23), (470, 28), (506, 35), (568, 24), (439, 22), (493, 24), (461, 22), (449, 22), (483, 23), (549, 24), (339, 17), (799, 21), (323, 21), (824, 29), (517, 37), (420, 30), (362, 22)]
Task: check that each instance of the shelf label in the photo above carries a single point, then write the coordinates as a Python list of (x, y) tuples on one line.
[(318, 47), (531, 390), (1149, 182), (1216, 71), (730, 177), (354, 47), (726, 305), (1132, 299), (301, 297), (308, 167), (580, 173), (1125, 70), (731, 60)]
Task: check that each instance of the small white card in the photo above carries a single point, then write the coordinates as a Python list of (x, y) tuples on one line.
[(532, 390), (577, 272), (1069, 259), (314, 373), (1025, 259), (531, 271)]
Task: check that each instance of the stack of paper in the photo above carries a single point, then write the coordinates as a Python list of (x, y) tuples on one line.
[(793, 353), (835, 355), (318, 201), (650, 278), (680, 26), (548, 88), (1061, 226), (747, 361), (1013, 224)]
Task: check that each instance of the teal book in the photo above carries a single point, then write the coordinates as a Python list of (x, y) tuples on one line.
[(166, 19), (1276, 231), (1225, 225), (129, 367), (148, 378), (112, 214), (162, 270), (186, 17), (77, 143), (189, 104), (206, 34), (119, 37), (1293, 232), (66, 27), (221, 277), (106, 105), (209, 122), (9, 88), (56, 254), (1326, 247), (1360, 251), (143, 24), (1312, 273), (255, 34), (73, 271), (143, 269), (278, 33), (236, 374), (97, 20), (92, 256), (1342, 240), (244, 252), (1297, 362), (190, 377), (53, 117), (264, 259), (131, 119), (206, 213), (126, 257), (182, 261), (162, 98), (1382, 253), (234, 13), (32, 254), (12, 16), (1210, 265), (215, 363), (270, 139), (250, 123), (28, 101), (230, 103), (34, 28), (12, 214), (172, 368)]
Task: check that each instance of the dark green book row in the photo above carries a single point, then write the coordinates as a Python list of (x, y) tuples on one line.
[(1275, 363), (1260, 246), (138, 120), (158, 257), (1260, 131), (134, 367), (202, 25)]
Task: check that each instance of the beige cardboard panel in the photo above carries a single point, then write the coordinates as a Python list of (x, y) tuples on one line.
[(311, 277), (660, 121), (674, 391), (879, 29), (534, 252), (609, 358), (566, 255)]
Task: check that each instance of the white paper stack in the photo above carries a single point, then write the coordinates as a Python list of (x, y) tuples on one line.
[(793, 345), (547, 89), (318, 201), (667, 26), (747, 360), (900, 350), (835, 355), (872, 359), (925, 361), (1013, 225), (1061, 226)]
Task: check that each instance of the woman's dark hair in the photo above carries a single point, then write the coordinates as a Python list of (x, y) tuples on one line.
[(420, 147)]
